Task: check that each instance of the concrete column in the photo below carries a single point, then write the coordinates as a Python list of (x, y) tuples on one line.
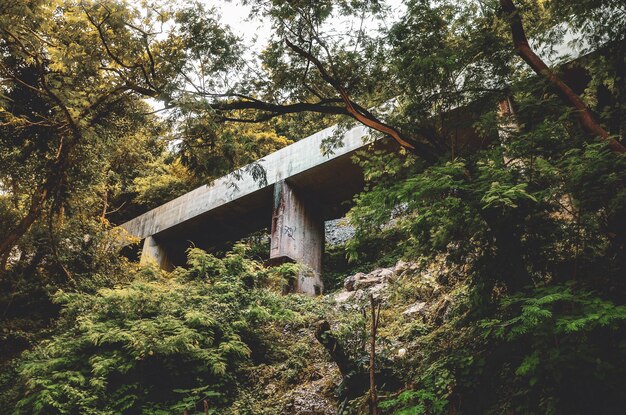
[(505, 110), (154, 252), (298, 235)]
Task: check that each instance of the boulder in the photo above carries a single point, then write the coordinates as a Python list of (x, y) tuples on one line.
[(379, 291), (349, 282), (343, 296), (386, 274), (367, 281), (418, 307)]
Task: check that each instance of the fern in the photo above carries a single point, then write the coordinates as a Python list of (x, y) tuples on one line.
[(139, 347)]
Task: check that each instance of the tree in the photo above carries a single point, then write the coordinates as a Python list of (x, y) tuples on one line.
[(313, 68), (76, 63), (522, 46)]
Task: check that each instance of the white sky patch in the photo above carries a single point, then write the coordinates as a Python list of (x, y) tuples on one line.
[(251, 29), (256, 31)]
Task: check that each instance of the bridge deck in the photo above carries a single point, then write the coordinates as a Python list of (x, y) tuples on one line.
[(237, 204)]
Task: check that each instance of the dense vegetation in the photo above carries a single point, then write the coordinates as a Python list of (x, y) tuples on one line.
[(161, 344), (508, 181)]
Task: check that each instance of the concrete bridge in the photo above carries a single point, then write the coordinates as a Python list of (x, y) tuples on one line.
[(303, 188)]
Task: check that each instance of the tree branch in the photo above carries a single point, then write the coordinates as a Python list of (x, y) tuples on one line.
[(524, 50), (370, 121), (278, 109)]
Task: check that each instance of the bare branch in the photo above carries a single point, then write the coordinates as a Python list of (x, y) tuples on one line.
[(278, 109), (373, 123)]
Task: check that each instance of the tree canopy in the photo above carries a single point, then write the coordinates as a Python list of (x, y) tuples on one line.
[(509, 120)]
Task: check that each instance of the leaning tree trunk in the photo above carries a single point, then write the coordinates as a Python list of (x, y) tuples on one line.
[(585, 117), (326, 338)]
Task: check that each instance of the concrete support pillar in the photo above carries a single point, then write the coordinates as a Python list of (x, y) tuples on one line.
[(153, 252), (298, 235), (510, 124)]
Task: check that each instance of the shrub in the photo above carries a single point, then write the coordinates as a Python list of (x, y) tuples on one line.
[(162, 344)]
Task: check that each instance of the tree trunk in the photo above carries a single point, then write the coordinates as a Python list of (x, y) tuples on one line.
[(524, 50), (23, 225), (330, 343)]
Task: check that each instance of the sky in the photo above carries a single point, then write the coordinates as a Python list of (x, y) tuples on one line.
[(236, 15), (255, 32)]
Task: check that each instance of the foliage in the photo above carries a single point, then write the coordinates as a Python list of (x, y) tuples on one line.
[(527, 208), (159, 344), (555, 349), (539, 345), (573, 339), (533, 215), (211, 150), (80, 148), (427, 403), (164, 180), (503, 207)]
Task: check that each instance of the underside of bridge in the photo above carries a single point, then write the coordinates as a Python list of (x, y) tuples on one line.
[(304, 200), (302, 188)]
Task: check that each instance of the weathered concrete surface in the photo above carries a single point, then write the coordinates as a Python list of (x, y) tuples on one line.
[(153, 252), (314, 186), (287, 162), (297, 234)]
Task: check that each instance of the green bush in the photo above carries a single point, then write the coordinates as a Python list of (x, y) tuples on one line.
[(162, 344)]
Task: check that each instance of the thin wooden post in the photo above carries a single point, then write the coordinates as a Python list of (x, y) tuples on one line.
[(373, 399)]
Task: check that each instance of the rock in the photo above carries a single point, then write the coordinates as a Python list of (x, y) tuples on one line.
[(367, 281), (375, 273), (379, 291), (310, 403), (386, 274), (338, 231), (418, 307), (313, 397), (349, 282), (343, 296), (442, 310), (401, 266)]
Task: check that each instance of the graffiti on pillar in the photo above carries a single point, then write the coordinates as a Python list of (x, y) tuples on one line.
[(289, 231)]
